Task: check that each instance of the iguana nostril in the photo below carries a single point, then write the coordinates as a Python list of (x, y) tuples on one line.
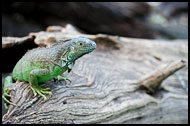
[(93, 44)]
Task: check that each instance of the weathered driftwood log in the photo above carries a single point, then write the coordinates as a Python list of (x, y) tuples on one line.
[(153, 81), (105, 86)]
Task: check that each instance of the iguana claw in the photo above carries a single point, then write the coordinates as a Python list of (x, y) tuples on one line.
[(41, 91), (6, 100)]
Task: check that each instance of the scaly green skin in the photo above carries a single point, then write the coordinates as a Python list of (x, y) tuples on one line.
[(43, 64)]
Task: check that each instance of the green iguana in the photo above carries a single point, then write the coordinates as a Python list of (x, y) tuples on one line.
[(42, 64)]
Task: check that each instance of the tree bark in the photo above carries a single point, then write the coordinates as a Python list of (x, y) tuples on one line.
[(105, 86)]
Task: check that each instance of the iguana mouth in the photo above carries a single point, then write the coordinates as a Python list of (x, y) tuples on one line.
[(92, 47), (88, 50)]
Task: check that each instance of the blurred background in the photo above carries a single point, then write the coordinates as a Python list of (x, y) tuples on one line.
[(150, 20)]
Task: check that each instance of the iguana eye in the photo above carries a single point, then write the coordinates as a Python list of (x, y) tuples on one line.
[(80, 43)]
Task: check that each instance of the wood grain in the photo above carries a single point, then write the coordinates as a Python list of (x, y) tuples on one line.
[(104, 87)]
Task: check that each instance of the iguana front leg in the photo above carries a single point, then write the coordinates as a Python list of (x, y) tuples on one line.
[(61, 78), (34, 77)]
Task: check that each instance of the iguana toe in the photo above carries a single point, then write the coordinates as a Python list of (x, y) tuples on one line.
[(41, 91)]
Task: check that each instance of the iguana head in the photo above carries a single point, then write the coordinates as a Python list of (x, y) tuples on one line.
[(68, 50), (79, 46)]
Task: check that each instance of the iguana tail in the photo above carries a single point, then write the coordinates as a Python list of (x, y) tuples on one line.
[(8, 81)]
